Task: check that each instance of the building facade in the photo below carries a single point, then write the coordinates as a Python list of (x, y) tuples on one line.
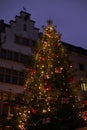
[(16, 42), (78, 57), (17, 39)]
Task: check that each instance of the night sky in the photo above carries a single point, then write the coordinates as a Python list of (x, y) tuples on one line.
[(70, 16)]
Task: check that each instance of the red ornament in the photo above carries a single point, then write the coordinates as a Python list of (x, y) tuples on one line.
[(33, 71), (33, 111), (55, 44), (42, 58), (47, 86), (85, 102), (73, 79), (58, 70)]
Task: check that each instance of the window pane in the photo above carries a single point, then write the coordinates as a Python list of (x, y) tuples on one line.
[(17, 40), (3, 54), (14, 76), (5, 109), (8, 76), (25, 27), (0, 95), (0, 108), (5, 96), (81, 67), (2, 73), (21, 78), (9, 55), (15, 56)]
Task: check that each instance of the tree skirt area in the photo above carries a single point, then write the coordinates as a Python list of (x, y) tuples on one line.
[(84, 128)]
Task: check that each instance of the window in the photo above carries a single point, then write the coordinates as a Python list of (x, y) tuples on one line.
[(34, 43), (9, 55), (25, 41), (0, 95), (15, 56), (7, 75), (14, 77), (5, 109), (83, 85), (81, 67), (5, 96), (17, 39), (3, 54), (0, 107), (2, 73), (11, 76), (24, 59), (25, 27), (12, 110), (21, 78)]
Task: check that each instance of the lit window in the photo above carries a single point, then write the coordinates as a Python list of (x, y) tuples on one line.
[(5, 96), (83, 86)]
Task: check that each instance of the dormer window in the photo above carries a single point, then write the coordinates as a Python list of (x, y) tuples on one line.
[(25, 27)]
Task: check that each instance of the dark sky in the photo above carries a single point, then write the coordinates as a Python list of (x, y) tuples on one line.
[(70, 16)]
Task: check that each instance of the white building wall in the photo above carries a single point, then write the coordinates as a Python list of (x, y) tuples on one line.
[(8, 42)]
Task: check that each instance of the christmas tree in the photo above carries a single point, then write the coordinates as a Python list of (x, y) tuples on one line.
[(51, 99)]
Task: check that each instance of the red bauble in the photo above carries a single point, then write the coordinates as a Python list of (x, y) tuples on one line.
[(55, 44), (33, 71), (33, 110), (73, 79), (85, 102), (47, 86), (58, 70), (42, 58)]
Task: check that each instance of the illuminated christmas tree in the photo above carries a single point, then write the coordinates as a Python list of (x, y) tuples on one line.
[(51, 97)]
